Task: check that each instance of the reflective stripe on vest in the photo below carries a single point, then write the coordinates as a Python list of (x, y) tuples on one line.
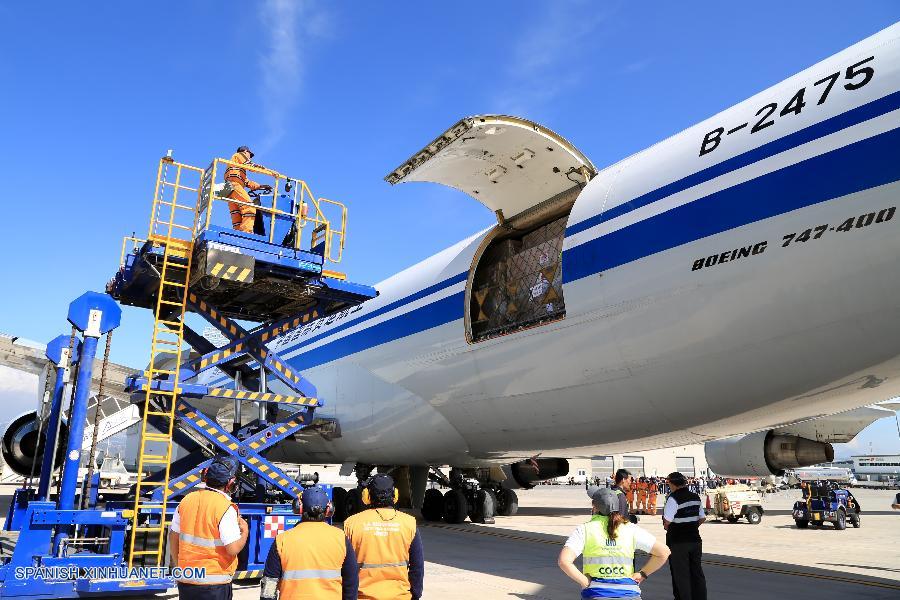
[(312, 574), (199, 541), (625, 587), (402, 563), (606, 558)]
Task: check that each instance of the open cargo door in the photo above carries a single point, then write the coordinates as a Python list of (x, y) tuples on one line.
[(506, 163)]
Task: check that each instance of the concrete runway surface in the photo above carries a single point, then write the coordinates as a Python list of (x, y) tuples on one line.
[(516, 557)]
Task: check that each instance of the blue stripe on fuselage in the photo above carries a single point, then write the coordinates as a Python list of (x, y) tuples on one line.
[(852, 168), (852, 117)]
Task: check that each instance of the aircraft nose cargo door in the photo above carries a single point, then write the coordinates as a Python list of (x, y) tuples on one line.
[(529, 177)]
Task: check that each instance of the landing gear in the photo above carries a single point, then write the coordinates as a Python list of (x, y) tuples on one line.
[(482, 510)]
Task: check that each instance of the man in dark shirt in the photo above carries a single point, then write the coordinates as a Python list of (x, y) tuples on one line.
[(623, 481), (312, 560), (682, 516)]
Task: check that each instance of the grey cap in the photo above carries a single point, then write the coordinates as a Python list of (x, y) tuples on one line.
[(605, 501)]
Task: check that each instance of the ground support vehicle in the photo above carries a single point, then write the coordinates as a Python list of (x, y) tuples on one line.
[(734, 502), (825, 503)]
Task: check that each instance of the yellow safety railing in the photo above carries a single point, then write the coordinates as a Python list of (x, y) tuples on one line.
[(291, 201), (136, 243)]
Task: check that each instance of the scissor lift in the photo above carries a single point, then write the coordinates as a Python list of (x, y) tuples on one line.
[(276, 279)]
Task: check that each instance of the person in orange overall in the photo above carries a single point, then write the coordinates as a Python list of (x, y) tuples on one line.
[(652, 491), (630, 495), (243, 216), (642, 496)]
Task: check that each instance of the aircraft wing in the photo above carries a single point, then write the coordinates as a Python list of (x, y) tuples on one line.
[(506, 163), (842, 427)]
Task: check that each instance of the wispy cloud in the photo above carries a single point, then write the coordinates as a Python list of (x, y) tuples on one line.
[(546, 60), (289, 27)]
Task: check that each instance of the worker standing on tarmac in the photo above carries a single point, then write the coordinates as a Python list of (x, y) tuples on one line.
[(313, 560), (622, 487), (607, 544), (207, 533), (682, 516), (388, 547), (243, 212), (652, 492)]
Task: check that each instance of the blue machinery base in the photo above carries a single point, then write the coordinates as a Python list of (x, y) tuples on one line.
[(237, 276)]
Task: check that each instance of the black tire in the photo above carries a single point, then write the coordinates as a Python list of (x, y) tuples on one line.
[(854, 520), (754, 517), (433, 505), (801, 524), (455, 507), (483, 511), (841, 522), (353, 502), (507, 502), (816, 523), (732, 518), (338, 497)]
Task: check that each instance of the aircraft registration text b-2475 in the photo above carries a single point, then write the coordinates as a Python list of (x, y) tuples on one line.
[(813, 233), (856, 76)]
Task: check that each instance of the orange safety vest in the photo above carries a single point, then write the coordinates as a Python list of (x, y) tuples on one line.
[(312, 555), (238, 175), (199, 544), (381, 538)]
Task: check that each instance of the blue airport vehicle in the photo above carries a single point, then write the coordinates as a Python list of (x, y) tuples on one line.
[(826, 503), (74, 543)]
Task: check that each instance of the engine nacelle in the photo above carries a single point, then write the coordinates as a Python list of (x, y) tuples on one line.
[(525, 474), (22, 450), (764, 453)]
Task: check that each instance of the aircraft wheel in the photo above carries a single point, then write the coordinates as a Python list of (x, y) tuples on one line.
[(353, 502), (507, 502), (484, 507), (433, 505), (455, 506), (338, 498)]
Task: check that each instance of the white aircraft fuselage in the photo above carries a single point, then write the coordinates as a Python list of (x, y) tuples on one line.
[(736, 276)]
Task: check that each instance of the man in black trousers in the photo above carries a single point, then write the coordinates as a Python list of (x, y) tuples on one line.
[(682, 517)]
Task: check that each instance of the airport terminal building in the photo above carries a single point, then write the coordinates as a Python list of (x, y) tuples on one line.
[(690, 460)]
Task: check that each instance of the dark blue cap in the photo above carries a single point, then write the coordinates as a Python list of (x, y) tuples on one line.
[(222, 470), (314, 498), (381, 488)]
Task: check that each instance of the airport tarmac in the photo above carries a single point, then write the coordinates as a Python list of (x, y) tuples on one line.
[(516, 557)]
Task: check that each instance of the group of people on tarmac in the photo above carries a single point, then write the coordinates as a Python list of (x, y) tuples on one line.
[(609, 541), (377, 556)]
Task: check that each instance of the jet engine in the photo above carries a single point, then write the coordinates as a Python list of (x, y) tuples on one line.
[(525, 474), (764, 453), (22, 450)]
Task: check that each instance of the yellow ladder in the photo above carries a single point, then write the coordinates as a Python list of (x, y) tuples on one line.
[(172, 223)]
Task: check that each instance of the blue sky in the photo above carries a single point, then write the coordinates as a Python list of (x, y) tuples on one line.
[(339, 93)]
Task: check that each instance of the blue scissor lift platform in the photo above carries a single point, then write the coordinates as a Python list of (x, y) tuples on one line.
[(252, 288)]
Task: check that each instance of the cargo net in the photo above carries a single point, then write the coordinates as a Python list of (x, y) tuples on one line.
[(518, 283)]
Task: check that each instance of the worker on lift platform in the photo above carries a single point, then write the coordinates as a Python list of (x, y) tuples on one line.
[(312, 560), (243, 216), (207, 533)]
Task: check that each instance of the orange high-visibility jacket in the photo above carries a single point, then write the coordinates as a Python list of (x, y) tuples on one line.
[(312, 555), (381, 539), (237, 175), (199, 544)]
